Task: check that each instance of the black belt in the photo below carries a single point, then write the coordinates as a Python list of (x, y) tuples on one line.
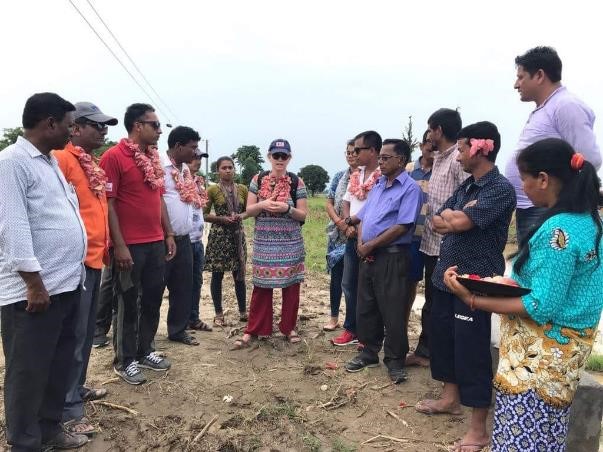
[(392, 249), (177, 238)]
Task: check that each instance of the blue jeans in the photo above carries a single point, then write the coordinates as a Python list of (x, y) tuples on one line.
[(198, 262), (85, 323), (349, 284), (525, 220), (335, 287)]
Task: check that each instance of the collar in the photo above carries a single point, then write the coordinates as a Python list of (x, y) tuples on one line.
[(486, 179), (402, 178), (444, 154), (29, 147), (557, 91), (72, 149)]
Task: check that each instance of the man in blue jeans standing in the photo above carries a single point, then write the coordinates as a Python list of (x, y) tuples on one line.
[(367, 146)]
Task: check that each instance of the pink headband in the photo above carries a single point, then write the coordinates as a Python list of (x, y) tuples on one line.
[(486, 146)]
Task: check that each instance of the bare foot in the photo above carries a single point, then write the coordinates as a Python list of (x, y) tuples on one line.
[(332, 325), (416, 360), (430, 407), (471, 442)]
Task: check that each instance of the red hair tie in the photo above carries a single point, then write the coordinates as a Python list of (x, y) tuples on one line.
[(577, 161)]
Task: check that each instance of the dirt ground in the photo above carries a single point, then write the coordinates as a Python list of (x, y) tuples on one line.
[(273, 396)]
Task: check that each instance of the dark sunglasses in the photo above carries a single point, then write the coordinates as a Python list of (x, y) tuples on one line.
[(357, 150), (154, 124), (97, 125), (280, 156)]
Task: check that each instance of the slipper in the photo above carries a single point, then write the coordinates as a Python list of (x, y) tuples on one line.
[(79, 427), (199, 325), (330, 327), (219, 321), (241, 343), (93, 394), (187, 339), (426, 407), (293, 338)]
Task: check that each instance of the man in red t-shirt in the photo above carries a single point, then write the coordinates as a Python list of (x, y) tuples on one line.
[(138, 223)]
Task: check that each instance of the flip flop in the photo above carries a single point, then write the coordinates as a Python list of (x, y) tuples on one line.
[(330, 327), (219, 321), (426, 407), (79, 427), (93, 394), (293, 338), (199, 325), (240, 344)]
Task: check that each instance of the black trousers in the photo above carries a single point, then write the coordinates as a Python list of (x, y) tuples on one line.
[(179, 282), (38, 352), (382, 302), (460, 348), (107, 303), (136, 322), (423, 344), (216, 291)]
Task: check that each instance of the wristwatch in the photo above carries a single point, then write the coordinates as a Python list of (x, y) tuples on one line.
[(289, 210), (348, 221)]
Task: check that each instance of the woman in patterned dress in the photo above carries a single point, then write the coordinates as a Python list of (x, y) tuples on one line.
[(226, 248), (546, 335), (277, 199)]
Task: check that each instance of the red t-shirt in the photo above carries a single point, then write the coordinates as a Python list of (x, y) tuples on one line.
[(137, 205)]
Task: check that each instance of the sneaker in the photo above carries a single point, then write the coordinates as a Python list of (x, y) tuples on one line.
[(131, 374), (360, 362), (155, 362), (345, 338), (65, 440), (397, 376), (100, 341)]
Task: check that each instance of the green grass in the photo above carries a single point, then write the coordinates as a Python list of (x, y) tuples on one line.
[(595, 363), (339, 446), (311, 443)]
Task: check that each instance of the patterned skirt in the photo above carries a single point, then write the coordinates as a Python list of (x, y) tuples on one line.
[(278, 252), (525, 423)]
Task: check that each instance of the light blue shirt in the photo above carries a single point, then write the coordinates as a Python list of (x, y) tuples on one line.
[(40, 225), (564, 116)]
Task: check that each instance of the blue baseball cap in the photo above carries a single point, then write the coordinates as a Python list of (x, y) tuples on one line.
[(279, 145)]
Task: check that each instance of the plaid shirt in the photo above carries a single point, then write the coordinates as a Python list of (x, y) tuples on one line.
[(446, 175)]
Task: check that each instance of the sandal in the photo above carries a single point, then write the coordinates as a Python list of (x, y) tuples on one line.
[(241, 343), (199, 325), (90, 394), (79, 427), (187, 339), (293, 338), (219, 320)]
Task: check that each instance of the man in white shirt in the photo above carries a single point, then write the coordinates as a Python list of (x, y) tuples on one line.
[(42, 251), (182, 199), (367, 146)]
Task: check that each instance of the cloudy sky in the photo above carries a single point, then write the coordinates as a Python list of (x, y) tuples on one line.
[(314, 72)]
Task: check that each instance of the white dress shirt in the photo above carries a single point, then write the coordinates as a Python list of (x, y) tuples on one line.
[(180, 212)]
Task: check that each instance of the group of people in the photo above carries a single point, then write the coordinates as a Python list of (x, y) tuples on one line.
[(86, 244), (395, 222)]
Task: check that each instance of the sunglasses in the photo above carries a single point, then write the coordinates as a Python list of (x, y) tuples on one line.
[(154, 124), (280, 156), (97, 125), (357, 150)]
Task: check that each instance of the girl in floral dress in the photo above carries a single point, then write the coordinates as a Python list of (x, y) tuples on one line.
[(547, 335), (278, 246)]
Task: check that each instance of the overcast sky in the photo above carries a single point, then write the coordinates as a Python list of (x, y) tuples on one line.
[(313, 72)]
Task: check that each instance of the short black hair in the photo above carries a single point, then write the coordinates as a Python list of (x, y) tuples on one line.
[(182, 135), (223, 159), (350, 142), (134, 112), (449, 120), (542, 57), (482, 130), (42, 106), (371, 139), (401, 148), (424, 140)]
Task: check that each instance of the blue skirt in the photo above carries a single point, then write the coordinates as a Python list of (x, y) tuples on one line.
[(525, 423)]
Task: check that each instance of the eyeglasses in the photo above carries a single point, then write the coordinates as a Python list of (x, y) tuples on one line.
[(385, 157), (97, 125), (154, 124), (280, 156), (357, 150)]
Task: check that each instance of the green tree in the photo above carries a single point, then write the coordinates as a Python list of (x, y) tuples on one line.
[(408, 136), (315, 178), (249, 159), (10, 136), (108, 144)]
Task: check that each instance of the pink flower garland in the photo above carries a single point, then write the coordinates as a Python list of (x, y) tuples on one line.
[(189, 188), (149, 163), (360, 190), (281, 190), (97, 180)]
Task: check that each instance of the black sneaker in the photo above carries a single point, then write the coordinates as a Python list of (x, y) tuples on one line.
[(360, 362), (65, 440), (100, 341), (397, 376), (155, 362), (131, 374)]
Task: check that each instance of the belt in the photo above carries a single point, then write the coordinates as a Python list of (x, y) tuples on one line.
[(177, 238), (392, 249)]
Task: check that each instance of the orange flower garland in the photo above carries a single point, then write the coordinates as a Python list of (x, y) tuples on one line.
[(149, 163), (360, 190), (97, 179), (188, 187), (281, 190)]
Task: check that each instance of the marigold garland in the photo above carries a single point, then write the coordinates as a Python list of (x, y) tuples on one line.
[(191, 189), (276, 190), (97, 179), (149, 163), (360, 190)]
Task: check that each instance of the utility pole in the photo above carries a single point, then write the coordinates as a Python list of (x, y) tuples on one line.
[(206, 161)]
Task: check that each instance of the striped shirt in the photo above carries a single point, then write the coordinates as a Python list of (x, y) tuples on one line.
[(40, 226), (446, 175)]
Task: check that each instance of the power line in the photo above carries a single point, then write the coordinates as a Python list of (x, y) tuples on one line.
[(130, 59), (115, 56)]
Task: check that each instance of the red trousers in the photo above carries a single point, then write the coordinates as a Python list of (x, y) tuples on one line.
[(260, 311)]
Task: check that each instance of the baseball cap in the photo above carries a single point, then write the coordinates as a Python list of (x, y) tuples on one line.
[(279, 145), (199, 154), (90, 111)]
